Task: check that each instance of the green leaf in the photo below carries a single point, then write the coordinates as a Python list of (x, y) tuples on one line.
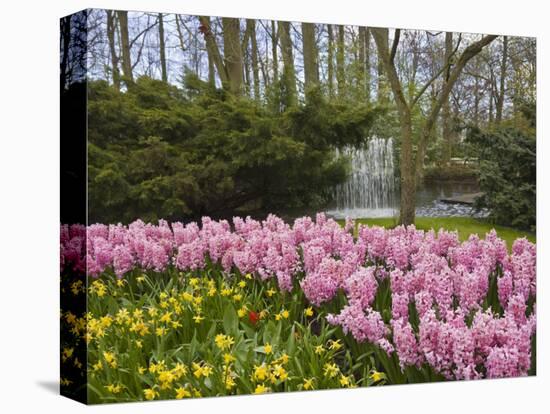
[(230, 320)]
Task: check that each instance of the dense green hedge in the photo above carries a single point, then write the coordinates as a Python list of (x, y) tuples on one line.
[(158, 151), (508, 171)]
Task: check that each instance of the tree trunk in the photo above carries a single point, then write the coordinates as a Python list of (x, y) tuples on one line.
[(330, 63), (311, 68), (446, 111), (211, 72), (233, 54), (111, 29), (246, 67), (491, 82), (289, 77), (476, 97), (340, 62), (502, 81), (367, 65), (66, 39), (382, 92), (274, 46), (125, 47), (407, 173), (361, 62), (180, 33), (162, 50), (213, 51), (251, 30)]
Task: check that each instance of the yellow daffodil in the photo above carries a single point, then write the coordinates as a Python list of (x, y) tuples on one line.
[(150, 393), (260, 372), (229, 382), (376, 376), (308, 384), (166, 317), (344, 381), (98, 366), (331, 370), (280, 372), (201, 370), (335, 345), (228, 358), (224, 341), (114, 389), (110, 358), (182, 393)]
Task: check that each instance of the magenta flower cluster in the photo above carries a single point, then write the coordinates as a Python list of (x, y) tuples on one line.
[(446, 282)]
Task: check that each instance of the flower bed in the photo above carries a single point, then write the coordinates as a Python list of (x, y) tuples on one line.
[(180, 310)]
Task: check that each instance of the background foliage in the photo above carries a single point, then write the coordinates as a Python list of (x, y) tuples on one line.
[(159, 151), (507, 170)]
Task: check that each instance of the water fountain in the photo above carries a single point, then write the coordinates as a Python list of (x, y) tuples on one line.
[(370, 191)]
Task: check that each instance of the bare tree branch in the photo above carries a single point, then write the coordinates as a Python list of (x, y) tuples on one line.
[(395, 43)]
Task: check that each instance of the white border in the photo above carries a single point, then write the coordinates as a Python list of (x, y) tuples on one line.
[(29, 205)]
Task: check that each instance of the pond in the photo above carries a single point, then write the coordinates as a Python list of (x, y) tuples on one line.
[(428, 203), (429, 195)]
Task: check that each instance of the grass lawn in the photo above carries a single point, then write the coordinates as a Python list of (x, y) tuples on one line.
[(464, 225)]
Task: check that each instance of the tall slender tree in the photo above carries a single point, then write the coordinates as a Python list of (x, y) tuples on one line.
[(361, 66), (330, 60), (502, 81), (367, 65), (162, 49), (408, 164), (233, 53), (212, 49), (111, 37), (274, 52), (251, 36), (125, 47), (311, 68), (340, 61), (445, 110), (289, 74)]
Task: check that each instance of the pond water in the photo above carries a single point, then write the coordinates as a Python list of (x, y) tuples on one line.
[(428, 203), (429, 195)]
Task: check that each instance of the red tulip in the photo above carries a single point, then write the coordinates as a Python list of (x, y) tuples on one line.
[(253, 317)]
